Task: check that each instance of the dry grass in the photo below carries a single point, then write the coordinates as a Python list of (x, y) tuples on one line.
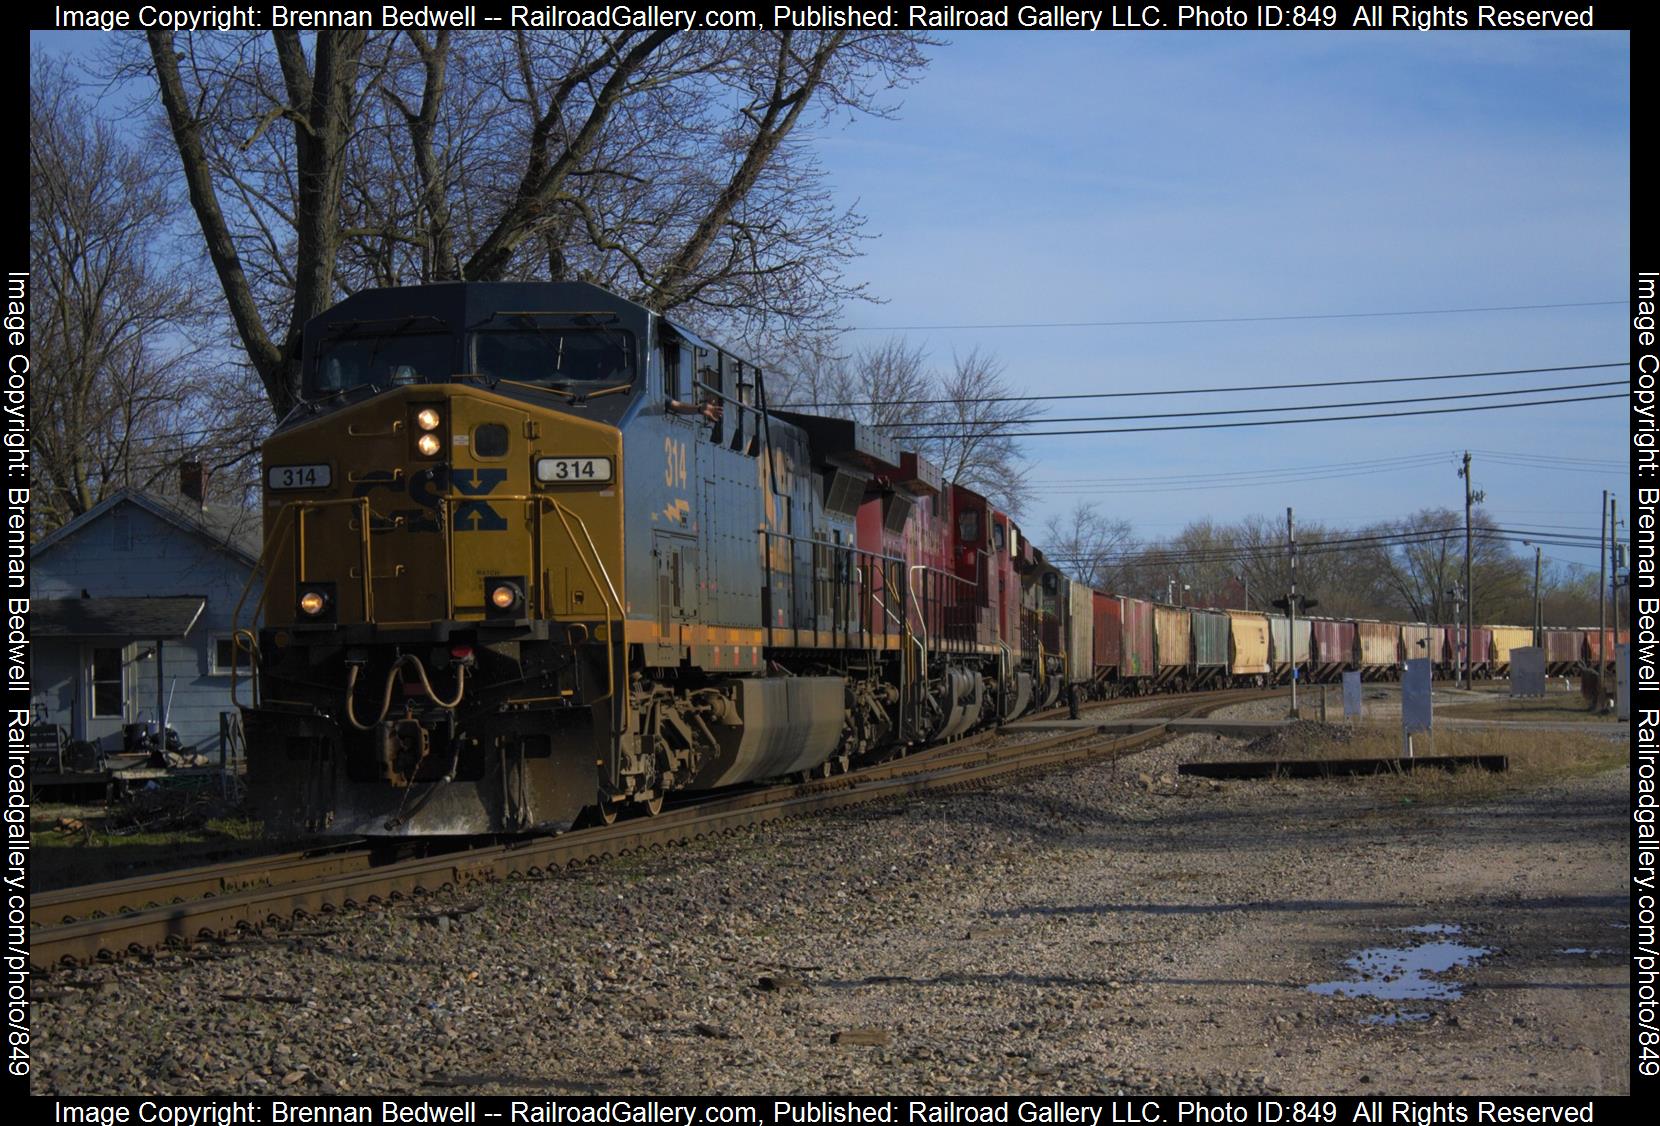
[(1535, 757), (1559, 706)]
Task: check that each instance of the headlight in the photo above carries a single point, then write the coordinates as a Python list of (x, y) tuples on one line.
[(315, 602), (427, 418), (429, 445), (312, 603), (503, 597)]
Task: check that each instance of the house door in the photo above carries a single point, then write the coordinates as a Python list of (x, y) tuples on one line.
[(106, 691)]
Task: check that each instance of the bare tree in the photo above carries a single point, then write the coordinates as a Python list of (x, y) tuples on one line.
[(673, 168), (1424, 562), (889, 383), (1088, 545), (126, 389), (964, 420), (976, 431)]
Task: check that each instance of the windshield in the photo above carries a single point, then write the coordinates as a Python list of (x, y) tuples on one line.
[(556, 355), (389, 359)]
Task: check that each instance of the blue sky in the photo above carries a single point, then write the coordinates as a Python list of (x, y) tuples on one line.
[(1041, 177), (1106, 177)]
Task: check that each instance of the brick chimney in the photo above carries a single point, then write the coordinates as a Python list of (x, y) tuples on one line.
[(193, 479)]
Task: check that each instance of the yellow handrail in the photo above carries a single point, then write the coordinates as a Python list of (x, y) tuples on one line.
[(290, 519)]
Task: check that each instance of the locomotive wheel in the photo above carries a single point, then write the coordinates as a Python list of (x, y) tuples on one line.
[(606, 812), (654, 806)]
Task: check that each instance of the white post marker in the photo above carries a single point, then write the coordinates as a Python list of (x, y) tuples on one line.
[(1417, 709), (1351, 695)]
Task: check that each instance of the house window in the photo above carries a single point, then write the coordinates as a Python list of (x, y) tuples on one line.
[(224, 653), (106, 683)]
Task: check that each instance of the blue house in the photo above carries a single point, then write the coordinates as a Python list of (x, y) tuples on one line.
[(131, 616)]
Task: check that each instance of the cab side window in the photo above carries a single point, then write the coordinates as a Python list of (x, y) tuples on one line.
[(677, 373)]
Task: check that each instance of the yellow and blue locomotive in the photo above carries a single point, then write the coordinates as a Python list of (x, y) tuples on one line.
[(533, 549)]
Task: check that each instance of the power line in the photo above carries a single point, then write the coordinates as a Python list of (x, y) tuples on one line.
[(1210, 390), (1232, 474), (1401, 537), (1236, 320), (1266, 421), (1533, 455), (1261, 410), (1151, 485), (1552, 467)]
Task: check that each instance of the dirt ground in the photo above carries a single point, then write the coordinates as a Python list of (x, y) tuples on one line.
[(1113, 928)]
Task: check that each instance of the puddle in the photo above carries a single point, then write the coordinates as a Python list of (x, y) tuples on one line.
[(1395, 1018), (1433, 928), (1401, 974), (1620, 926), (1585, 950)]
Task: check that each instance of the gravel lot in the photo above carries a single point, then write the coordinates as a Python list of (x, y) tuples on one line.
[(1108, 930)]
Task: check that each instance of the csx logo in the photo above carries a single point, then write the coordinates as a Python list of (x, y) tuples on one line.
[(429, 488)]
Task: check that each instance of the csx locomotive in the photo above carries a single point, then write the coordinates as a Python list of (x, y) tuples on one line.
[(534, 550)]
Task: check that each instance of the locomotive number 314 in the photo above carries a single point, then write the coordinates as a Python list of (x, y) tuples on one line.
[(675, 454)]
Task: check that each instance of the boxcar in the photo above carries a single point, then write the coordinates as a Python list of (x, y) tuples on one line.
[(1139, 651), (1506, 638), (1247, 645), (1419, 641), (1379, 649), (1563, 648), (1080, 633), (1108, 613), (1599, 643), (1172, 644), (1210, 645), (1334, 648), (1283, 653), (1481, 649)]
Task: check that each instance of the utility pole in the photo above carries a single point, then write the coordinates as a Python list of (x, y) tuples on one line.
[(1602, 598), (1291, 606), (1538, 616), (1468, 622), (1613, 633), (1457, 596)]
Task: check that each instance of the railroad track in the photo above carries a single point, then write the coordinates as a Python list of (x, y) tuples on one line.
[(176, 908)]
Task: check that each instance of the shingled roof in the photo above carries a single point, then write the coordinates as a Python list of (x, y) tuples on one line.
[(235, 530), (167, 618)]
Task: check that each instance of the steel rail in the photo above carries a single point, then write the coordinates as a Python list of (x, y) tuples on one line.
[(230, 909), (60, 905)]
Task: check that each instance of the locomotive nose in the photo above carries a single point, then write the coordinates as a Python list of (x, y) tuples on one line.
[(438, 503)]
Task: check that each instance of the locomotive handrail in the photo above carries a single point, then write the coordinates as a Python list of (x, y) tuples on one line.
[(252, 649), (840, 546), (922, 618), (849, 553), (698, 384), (615, 645), (294, 512), (757, 409)]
